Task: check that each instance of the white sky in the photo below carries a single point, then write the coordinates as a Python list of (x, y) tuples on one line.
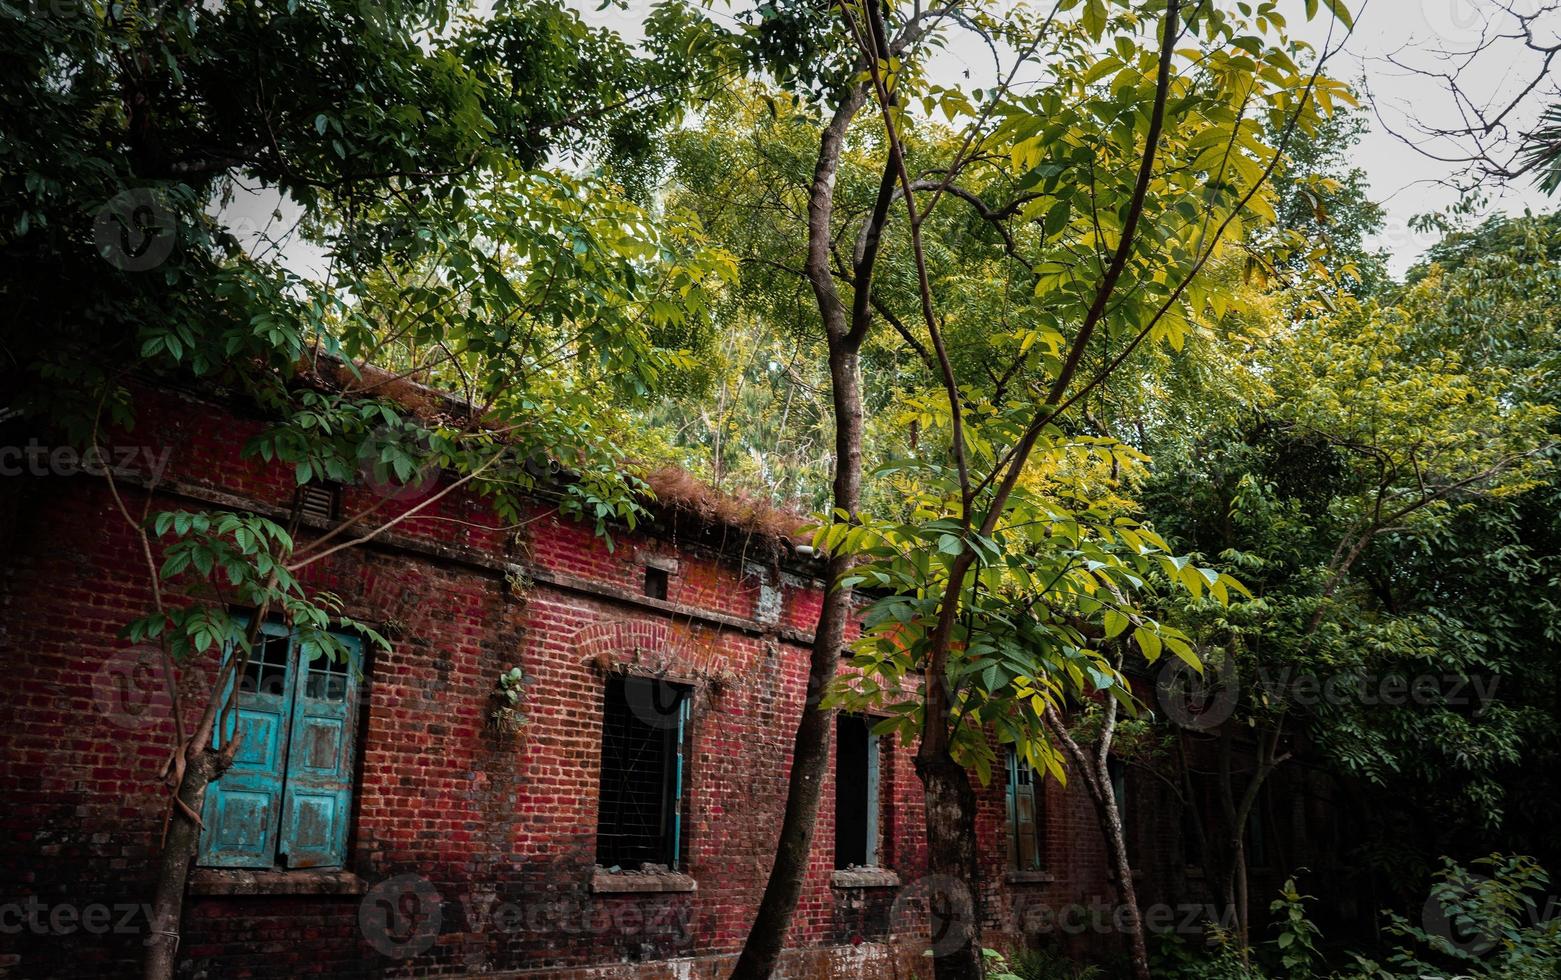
[(1419, 33), (1429, 35), (1414, 32)]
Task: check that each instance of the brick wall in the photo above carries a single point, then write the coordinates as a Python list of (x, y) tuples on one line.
[(469, 852)]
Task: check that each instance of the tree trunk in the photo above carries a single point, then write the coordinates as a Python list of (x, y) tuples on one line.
[(949, 803), (1111, 822), (1243, 912), (810, 747), (1235, 895), (202, 765), (953, 892), (179, 849), (1237, 813), (809, 763), (1096, 774)]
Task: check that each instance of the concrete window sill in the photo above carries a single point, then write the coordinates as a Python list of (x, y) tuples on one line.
[(641, 882), (1029, 877), (864, 878), (238, 881)]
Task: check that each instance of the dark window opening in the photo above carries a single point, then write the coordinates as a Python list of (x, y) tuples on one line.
[(1026, 816), (1192, 840), (1261, 837), (266, 670), (656, 582), (639, 813), (1200, 816), (1118, 774), (856, 793)]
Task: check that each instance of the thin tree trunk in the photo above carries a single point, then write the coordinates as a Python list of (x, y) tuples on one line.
[(1235, 829), (1110, 815), (1111, 820), (203, 763), (810, 747), (1237, 813), (173, 871), (1097, 783), (949, 798), (949, 803), (1243, 912)]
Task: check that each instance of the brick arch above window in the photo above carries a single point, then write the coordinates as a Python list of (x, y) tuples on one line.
[(636, 644), (654, 648)]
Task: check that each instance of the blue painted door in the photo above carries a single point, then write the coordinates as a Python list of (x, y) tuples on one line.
[(318, 788), (287, 798), (243, 808)]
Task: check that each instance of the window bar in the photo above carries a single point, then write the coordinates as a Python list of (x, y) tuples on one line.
[(872, 800)]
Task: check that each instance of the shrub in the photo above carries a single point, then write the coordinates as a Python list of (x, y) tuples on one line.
[(1477, 925)]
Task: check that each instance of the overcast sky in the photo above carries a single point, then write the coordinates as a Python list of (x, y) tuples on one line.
[(1425, 34), (1432, 35), (1414, 32)]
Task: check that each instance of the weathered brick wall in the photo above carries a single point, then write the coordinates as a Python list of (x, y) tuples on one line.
[(491, 839)]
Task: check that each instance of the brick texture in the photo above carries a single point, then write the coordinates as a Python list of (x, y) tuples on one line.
[(470, 853)]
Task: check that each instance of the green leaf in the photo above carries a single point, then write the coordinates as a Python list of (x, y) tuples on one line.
[(1148, 642), (1057, 217), (1094, 18), (1115, 623)]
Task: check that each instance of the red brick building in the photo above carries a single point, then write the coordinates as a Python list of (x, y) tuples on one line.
[(378, 824)]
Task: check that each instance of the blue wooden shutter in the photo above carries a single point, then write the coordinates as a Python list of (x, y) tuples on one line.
[(1013, 808), (243, 807), (1024, 815), (317, 800), (677, 785)]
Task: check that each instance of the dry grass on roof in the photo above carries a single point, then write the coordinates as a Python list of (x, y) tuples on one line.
[(428, 404), (677, 489), (674, 488)]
